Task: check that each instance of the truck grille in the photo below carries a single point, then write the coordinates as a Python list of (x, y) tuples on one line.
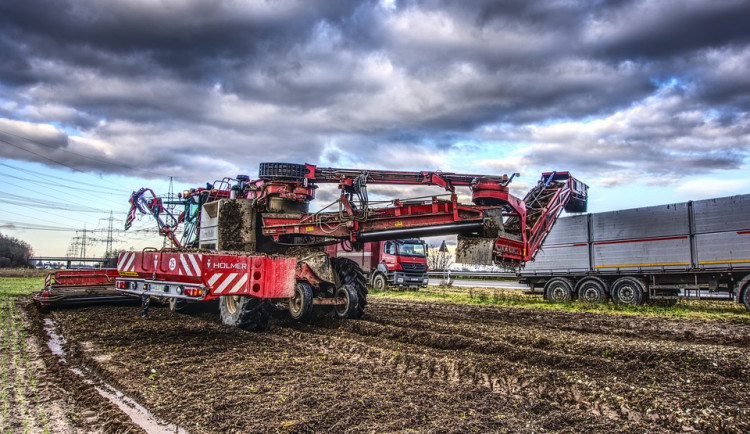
[(413, 268)]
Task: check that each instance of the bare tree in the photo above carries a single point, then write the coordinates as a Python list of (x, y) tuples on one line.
[(439, 259)]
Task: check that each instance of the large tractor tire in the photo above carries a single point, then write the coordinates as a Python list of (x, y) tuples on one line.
[(628, 290), (350, 276), (379, 283), (244, 312), (592, 290), (559, 290), (301, 305)]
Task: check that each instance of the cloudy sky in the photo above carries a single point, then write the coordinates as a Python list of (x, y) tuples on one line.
[(646, 101)]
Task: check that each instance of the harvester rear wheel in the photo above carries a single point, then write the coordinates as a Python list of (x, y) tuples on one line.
[(177, 304), (244, 312), (350, 275), (301, 305)]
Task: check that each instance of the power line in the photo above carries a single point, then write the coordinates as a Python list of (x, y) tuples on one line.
[(45, 193), (57, 179), (35, 218), (120, 166)]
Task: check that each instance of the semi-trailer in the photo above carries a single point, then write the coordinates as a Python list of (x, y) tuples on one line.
[(659, 253)]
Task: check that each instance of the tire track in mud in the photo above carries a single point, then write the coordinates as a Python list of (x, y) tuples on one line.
[(419, 366), (610, 325), (475, 354), (564, 348)]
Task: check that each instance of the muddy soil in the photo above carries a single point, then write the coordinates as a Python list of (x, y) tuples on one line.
[(424, 366)]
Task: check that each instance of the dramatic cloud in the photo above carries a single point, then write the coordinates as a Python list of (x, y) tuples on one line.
[(654, 89)]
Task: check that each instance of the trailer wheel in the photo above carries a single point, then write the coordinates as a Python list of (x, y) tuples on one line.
[(379, 283), (559, 290), (301, 305), (350, 274), (177, 304), (628, 290), (746, 296), (348, 310), (591, 290), (244, 312)]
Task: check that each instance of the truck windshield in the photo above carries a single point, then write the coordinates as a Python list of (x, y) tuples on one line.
[(411, 250)]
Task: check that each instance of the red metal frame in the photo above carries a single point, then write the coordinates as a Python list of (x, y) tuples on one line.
[(259, 276)]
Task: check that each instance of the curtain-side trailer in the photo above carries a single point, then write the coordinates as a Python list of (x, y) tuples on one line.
[(689, 249)]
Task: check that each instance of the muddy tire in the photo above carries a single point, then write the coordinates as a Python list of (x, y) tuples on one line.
[(348, 310), (559, 290), (592, 290), (301, 305), (177, 304), (628, 290), (350, 275), (379, 283), (243, 312)]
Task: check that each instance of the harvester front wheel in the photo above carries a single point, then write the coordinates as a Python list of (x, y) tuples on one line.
[(301, 305), (244, 312), (350, 275)]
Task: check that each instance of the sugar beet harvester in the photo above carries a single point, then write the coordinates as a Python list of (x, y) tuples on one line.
[(255, 246)]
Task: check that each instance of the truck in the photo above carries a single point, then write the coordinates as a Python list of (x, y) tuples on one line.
[(657, 253), (400, 263), (255, 246)]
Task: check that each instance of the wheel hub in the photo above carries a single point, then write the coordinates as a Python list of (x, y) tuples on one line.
[(231, 304)]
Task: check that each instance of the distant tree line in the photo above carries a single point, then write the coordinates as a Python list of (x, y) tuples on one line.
[(14, 252)]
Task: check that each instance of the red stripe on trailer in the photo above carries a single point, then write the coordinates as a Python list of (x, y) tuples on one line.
[(641, 240), (566, 245), (743, 232)]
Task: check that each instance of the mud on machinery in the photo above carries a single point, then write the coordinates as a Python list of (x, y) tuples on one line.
[(255, 246)]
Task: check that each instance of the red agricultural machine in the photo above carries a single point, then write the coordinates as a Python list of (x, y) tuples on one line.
[(255, 246)]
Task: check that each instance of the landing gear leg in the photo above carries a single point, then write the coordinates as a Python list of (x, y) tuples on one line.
[(145, 302)]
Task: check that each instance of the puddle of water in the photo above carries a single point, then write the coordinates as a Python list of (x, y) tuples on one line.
[(55, 342), (137, 413)]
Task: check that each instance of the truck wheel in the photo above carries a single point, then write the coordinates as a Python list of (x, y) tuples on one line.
[(244, 312), (628, 290), (177, 304), (559, 290), (591, 290), (348, 310), (301, 305), (379, 283), (350, 274)]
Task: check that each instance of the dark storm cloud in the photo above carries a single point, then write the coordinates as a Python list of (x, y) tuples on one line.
[(218, 86)]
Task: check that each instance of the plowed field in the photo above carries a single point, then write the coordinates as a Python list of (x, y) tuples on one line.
[(410, 365)]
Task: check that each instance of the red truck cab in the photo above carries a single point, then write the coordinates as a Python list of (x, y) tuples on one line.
[(394, 263)]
